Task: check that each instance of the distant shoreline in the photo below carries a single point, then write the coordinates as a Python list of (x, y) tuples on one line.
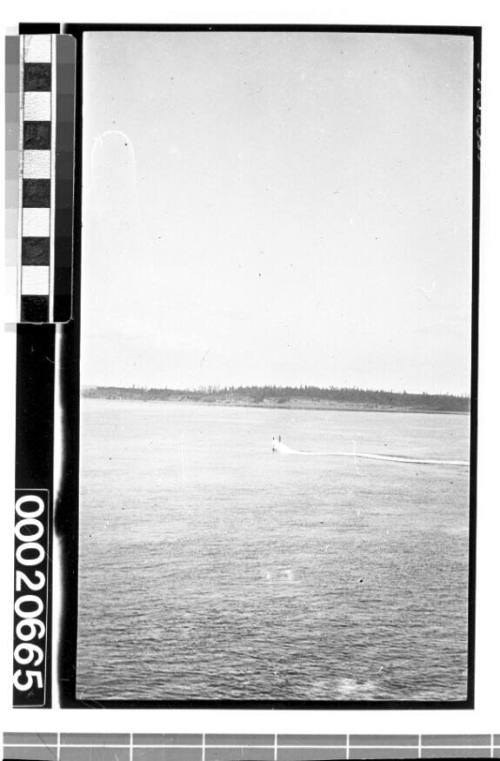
[(222, 399), (288, 406)]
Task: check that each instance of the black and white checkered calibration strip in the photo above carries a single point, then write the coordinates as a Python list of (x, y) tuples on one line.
[(46, 103), (37, 171), (232, 747)]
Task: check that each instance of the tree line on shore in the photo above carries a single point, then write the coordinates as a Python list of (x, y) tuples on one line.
[(277, 395)]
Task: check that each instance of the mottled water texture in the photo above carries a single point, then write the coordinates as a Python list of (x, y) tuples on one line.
[(211, 568)]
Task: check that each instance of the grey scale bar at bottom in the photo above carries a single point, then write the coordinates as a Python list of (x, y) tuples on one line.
[(173, 753), (26, 746)]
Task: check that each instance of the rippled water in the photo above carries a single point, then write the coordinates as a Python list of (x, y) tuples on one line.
[(211, 568)]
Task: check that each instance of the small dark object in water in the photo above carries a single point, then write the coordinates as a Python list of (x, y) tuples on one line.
[(361, 581)]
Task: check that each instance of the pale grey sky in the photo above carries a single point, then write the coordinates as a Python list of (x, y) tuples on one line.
[(284, 208)]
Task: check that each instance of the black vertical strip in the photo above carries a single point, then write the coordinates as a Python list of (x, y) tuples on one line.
[(64, 170), (476, 148), (35, 432), (66, 510), (66, 519)]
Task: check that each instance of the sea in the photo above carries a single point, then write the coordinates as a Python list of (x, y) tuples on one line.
[(212, 568)]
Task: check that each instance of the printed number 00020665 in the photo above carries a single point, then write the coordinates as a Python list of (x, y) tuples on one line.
[(28, 607)]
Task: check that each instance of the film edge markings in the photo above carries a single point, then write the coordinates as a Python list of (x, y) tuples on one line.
[(40, 105)]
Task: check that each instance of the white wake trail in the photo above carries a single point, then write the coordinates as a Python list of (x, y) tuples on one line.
[(284, 449)]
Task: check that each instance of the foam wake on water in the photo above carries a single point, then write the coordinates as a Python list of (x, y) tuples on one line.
[(279, 446)]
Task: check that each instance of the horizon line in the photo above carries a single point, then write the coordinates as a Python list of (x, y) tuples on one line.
[(213, 389)]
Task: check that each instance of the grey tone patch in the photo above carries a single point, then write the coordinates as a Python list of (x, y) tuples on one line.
[(170, 739), (456, 752), (305, 740), (167, 754), (239, 740), (94, 754), (374, 740), (81, 738), (456, 740), (40, 753), (30, 738), (239, 754), (358, 753), (310, 754)]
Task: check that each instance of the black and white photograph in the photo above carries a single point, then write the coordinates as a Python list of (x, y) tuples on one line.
[(275, 366)]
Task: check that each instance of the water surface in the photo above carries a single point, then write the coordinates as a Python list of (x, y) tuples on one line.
[(211, 568)]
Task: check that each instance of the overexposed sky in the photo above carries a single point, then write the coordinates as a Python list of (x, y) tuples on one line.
[(286, 208)]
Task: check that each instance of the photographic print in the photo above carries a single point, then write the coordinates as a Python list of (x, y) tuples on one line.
[(275, 367)]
